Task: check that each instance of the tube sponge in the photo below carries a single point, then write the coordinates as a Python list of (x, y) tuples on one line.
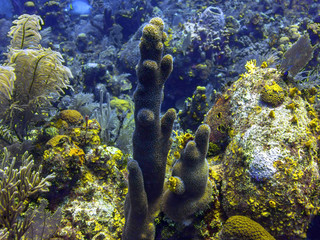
[(191, 175)]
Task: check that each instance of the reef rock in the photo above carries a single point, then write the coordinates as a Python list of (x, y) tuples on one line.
[(271, 171)]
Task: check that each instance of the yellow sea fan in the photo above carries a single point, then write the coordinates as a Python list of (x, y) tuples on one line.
[(25, 32), (7, 79)]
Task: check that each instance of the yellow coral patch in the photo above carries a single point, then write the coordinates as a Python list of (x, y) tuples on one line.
[(272, 94), (58, 139), (79, 153), (251, 65)]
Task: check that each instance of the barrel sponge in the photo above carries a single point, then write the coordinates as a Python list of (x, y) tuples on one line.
[(241, 227), (272, 94), (189, 189)]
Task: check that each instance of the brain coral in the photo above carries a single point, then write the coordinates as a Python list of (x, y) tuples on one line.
[(71, 116), (271, 170), (241, 227)]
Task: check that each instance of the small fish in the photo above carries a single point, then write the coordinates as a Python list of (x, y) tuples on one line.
[(81, 7), (285, 74)]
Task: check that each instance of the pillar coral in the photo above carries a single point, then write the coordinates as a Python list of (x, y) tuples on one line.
[(151, 138)]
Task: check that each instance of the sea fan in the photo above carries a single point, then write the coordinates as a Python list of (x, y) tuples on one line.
[(39, 73), (298, 56), (33, 77)]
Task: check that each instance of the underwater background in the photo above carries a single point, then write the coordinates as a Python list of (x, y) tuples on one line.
[(159, 119)]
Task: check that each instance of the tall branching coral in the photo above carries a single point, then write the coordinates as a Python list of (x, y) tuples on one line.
[(32, 77)]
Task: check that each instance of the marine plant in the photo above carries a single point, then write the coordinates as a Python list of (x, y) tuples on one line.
[(32, 77)]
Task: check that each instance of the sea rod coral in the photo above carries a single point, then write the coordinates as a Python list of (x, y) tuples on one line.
[(16, 187)]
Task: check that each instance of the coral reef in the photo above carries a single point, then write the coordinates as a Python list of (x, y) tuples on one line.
[(264, 127), (63, 158), (94, 209), (89, 174)]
